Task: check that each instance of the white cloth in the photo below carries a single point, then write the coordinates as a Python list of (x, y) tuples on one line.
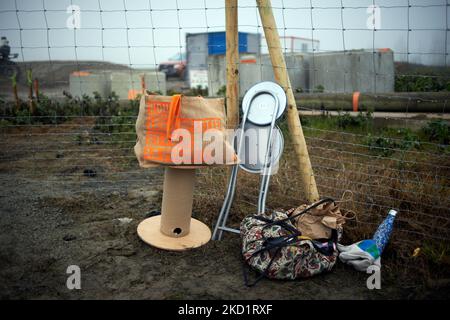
[(355, 256)]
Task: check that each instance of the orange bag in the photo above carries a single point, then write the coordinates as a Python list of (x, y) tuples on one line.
[(196, 119)]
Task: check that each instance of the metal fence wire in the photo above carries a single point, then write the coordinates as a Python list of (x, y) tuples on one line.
[(388, 154)]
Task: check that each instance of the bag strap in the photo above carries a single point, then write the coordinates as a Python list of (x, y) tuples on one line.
[(314, 205), (263, 274), (173, 119), (282, 222), (270, 243), (281, 241)]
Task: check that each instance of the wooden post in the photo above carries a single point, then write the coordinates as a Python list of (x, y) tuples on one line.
[(143, 86), (232, 59), (36, 88), (30, 92), (282, 77), (14, 89)]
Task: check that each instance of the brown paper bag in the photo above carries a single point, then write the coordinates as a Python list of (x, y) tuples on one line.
[(319, 222), (200, 124)]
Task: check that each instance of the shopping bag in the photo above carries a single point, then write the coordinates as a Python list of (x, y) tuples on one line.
[(182, 131), (318, 223)]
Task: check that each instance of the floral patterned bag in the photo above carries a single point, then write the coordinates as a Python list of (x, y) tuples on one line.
[(274, 247)]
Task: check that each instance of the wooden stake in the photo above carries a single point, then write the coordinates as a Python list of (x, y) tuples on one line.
[(36, 88), (232, 59), (282, 77), (15, 94), (30, 92), (143, 86)]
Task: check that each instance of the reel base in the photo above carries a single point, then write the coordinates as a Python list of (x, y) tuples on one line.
[(149, 231)]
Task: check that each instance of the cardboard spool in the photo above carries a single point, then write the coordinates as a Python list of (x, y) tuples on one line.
[(175, 229)]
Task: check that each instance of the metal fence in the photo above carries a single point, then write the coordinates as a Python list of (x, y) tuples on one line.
[(385, 159)]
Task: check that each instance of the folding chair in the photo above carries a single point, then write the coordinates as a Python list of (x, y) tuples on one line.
[(262, 105)]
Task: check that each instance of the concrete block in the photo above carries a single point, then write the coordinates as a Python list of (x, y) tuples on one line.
[(253, 73), (86, 83), (351, 71), (340, 72), (127, 84)]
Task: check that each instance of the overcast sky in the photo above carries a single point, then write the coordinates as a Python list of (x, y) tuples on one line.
[(156, 34)]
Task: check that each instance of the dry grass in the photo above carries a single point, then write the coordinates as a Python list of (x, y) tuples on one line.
[(415, 183)]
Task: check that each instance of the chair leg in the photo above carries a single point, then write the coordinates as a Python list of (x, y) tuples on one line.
[(224, 211)]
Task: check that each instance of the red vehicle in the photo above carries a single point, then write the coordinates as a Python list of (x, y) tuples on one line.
[(175, 66)]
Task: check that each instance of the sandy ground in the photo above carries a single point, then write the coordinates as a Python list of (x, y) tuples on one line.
[(52, 216), (43, 231)]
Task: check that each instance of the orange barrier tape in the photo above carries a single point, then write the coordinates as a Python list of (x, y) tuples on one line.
[(355, 101), (248, 61), (133, 93), (81, 73)]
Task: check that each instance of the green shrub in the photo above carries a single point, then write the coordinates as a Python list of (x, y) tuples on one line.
[(4, 123), (198, 91), (362, 120), (222, 92), (436, 252), (171, 92), (437, 130), (49, 111), (386, 146), (134, 103), (109, 115), (421, 83), (319, 89), (23, 116)]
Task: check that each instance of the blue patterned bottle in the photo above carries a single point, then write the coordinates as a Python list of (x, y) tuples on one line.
[(381, 236)]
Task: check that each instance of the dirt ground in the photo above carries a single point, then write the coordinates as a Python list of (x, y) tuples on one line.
[(53, 214)]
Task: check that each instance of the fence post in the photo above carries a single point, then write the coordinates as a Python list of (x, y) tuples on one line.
[(14, 89), (36, 88), (282, 77), (143, 86), (232, 58), (30, 92)]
